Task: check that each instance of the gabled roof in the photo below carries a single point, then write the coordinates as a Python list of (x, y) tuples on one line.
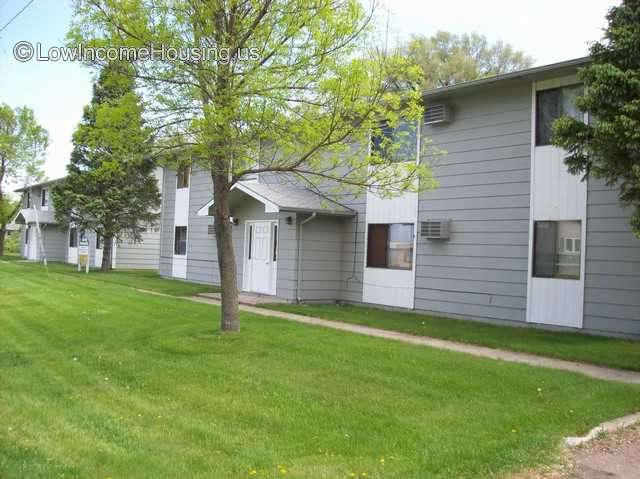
[(28, 215), (552, 69), (42, 183), (281, 197)]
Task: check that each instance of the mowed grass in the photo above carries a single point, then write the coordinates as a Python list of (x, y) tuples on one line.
[(611, 352), (99, 380), (139, 279)]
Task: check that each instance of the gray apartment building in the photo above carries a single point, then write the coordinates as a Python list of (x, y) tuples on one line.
[(508, 237)]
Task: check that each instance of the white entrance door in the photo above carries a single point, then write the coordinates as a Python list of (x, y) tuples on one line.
[(260, 257), (32, 246)]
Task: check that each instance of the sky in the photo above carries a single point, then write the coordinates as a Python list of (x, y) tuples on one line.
[(548, 30)]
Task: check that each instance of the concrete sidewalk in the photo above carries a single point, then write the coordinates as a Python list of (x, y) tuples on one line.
[(598, 372)]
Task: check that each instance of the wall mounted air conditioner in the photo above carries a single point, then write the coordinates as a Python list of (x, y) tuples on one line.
[(436, 114), (435, 229)]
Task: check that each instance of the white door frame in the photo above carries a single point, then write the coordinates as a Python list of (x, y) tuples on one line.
[(247, 269)]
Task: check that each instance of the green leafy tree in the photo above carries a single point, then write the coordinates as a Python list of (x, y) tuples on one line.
[(608, 146), (446, 58), (289, 74), (8, 209), (110, 187), (23, 143)]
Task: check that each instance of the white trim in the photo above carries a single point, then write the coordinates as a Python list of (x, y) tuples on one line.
[(553, 295), (269, 206)]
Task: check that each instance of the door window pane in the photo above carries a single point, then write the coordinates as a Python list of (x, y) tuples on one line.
[(275, 242), (551, 105), (180, 243), (557, 249)]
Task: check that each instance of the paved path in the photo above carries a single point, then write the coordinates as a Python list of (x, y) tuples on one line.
[(599, 372)]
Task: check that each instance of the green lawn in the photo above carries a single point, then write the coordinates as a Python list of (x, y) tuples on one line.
[(99, 380), (140, 279), (616, 353)]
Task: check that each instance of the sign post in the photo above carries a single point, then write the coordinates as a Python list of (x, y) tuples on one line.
[(83, 254)]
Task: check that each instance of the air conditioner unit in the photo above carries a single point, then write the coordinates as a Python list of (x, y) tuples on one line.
[(435, 229), (211, 229), (436, 114)]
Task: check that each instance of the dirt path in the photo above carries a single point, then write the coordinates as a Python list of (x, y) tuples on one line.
[(614, 456)]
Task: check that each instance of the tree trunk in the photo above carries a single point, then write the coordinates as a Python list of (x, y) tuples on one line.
[(107, 244), (229, 320), (3, 232)]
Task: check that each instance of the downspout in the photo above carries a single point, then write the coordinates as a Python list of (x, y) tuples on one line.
[(299, 278)]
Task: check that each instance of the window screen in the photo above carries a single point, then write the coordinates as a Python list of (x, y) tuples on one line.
[(557, 249), (551, 105), (44, 198), (390, 246), (180, 242)]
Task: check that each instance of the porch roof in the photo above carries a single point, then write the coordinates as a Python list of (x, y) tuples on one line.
[(280, 197), (28, 215)]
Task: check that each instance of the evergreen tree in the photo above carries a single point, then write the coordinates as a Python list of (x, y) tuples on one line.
[(609, 145), (111, 187)]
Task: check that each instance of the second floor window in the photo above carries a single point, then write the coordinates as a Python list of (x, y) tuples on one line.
[(44, 198), (395, 144), (551, 105), (73, 238), (28, 199), (183, 178)]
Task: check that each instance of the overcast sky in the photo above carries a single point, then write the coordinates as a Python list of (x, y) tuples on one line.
[(549, 30)]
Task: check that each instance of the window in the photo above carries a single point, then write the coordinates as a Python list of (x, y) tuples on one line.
[(395, 144), (250, 241), (180, 244), (98, 241), (26, 235), (551, 105), (28, 199), (275, 243), (390, 246), (183, 177), (83, 236), (557, 249), (44, 198), (73, 238)]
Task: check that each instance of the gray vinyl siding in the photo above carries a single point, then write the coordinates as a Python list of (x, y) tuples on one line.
[(55, 242), (166, 219), (612, 266), (484, 178), (322, 244), (143, 255)]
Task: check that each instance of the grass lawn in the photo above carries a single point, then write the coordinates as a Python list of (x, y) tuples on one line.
[(141, 279), (615, 353), (99, 380)]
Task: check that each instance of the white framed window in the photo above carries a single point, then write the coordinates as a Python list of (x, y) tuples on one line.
[(182, 178), (180, 241), (557, 249), (44, 198), (552, 104), (390, 246)]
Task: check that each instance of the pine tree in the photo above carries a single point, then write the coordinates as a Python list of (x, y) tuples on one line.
[(111, 187)]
